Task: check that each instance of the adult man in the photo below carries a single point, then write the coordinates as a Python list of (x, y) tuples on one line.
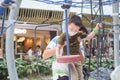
[(61, 69), (115, 75)]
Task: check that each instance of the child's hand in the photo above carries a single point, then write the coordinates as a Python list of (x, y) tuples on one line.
[(79, 39), (98, 25), (65, 43)]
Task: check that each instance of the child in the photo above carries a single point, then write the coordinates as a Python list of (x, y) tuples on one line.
[(74, 25), (75, 36)]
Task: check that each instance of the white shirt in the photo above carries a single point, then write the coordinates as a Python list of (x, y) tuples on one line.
[(30, 52)]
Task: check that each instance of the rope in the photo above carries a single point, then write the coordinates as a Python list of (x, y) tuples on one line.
[(77, 3), (7, 1), (99, 42), (9, 26), (91, 30), (99, 19), (3, 7), (3, 21), (102, 37)]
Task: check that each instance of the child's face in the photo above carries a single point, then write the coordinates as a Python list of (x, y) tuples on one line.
[(72, 29)]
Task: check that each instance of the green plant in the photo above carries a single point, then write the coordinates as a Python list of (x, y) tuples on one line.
[(91, 79), (107, 63), (30, 67), (44, 66), (3, 70), (20, 65), (27, 67), (92, 64), (33, 65)]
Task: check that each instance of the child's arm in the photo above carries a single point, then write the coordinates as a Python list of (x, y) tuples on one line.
[(58, 49), (82, 57), (94, 32), (61, 43)]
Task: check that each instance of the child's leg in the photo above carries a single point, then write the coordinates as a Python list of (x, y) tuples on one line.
[(74, 75), (78, 67)]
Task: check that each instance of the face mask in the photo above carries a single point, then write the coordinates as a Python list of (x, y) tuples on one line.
[(71, 33)]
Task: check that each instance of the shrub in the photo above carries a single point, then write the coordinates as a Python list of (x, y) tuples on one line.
[(3, 70), (107, 63), (27, 67)]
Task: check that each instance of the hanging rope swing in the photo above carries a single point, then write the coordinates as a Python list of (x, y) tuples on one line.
[(67, 58)]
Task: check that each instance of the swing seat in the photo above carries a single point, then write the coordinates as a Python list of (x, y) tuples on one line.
[(68, 58)]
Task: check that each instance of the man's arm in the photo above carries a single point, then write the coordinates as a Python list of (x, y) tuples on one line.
[(49, 53), (82, 57), (51, 48)]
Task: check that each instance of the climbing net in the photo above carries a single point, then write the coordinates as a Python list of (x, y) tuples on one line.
[(78, 3)]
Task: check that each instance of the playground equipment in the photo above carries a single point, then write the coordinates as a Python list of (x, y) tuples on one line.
[(6, 4), (9, 35), (66, 5)]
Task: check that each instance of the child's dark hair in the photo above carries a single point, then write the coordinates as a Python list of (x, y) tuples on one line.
[(76, 20), (84, 29)]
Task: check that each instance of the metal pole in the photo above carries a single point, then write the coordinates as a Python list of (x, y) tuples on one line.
[(66, 7), (116, 32), (68, 50), (35, 37), (64, 22), (10, 43)]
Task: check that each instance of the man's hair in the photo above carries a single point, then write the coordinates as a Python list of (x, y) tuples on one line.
[(84, 29), (29, 47), (76, 20), (38, 46)]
